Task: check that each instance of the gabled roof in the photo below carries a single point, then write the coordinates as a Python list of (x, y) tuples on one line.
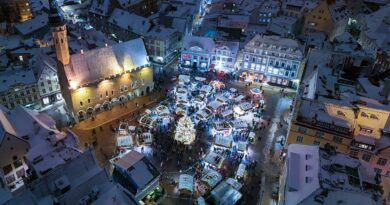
[(101, 63)]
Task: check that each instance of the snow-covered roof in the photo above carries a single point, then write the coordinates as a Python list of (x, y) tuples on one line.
[(49, 147), (225, 194), (186, 182), (11, 78), (211, 177), (330, 87), (130, 21), (198, 44), (100, 7), (377, 27), (33, 24), (275, 43), (233, 21), (93, 65), (139, 169), (314, 174)]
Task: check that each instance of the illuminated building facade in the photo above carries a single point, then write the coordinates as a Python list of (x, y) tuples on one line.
[(350, 115), (273, 59), (98, 79), (196, 52), (14, 11)]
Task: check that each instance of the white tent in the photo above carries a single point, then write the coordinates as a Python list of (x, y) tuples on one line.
[(224, 141), (124, 141), (186, 182)]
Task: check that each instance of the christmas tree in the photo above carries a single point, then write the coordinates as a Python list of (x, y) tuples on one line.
[(185, 131)]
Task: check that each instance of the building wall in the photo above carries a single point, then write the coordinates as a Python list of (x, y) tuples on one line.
[(20, 94), (224, 59), (277, 70), (197, 60), (319, 19), (49, 88), (12, 151), (14, 11), (129, 84), (301, 133)]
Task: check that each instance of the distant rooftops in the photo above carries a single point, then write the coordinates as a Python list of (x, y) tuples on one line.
[(333, 85)]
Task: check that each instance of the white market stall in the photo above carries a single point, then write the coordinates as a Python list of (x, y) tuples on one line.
[(241, 146), (124, 142), (214, 106), (162, 110), (240, 171), (186, 184), (223, 141), (202, 115), (243, 108), (214, 159), (222, 128), (184, 79), (145, 138), (211, 178)]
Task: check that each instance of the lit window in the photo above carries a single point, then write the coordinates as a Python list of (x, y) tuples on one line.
[(45, 100)]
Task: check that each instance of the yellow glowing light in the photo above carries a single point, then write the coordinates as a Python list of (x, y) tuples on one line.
[(72, 85)]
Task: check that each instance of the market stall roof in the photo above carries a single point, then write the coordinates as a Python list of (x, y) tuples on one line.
[(222, 125), (200, 79), (225, 194), (234, 183), (203, 114), (214, 105), (206, 88), (184, 78), (162, 110), (227, 113), (186, 182), (211, 178), (239, 98), (222, 99), (245, 106), (240, 124), (124, 141), (233, 90), (224, 141), (214, 159), (241, 169), (241, 145), (132, 128)]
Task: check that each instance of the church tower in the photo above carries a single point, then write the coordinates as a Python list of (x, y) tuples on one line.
[(58, 28)]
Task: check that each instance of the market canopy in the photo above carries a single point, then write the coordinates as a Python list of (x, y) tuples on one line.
[(186, 182), (211, 178)]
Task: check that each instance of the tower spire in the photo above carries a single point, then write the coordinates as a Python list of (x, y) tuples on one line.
[(55, 17)]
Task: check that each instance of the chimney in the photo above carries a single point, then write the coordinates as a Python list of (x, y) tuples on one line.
[(385, 92)]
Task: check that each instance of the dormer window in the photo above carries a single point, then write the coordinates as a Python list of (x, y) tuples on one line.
[(372, 116)]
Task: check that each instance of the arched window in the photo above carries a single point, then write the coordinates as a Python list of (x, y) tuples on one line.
[(340, 113), (372, 116), (363, 114)]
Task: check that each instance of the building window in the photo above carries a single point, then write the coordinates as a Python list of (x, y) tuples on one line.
[(388, 173), (319, 134), (316, 142), (81, 103), (337, 139), (106, 93), (45, 100), (353, 153), (299, 139), (381, 162), (112, 92), (43, 91), (302, 130), (372, 116), (379, 171), (89, 101), (366, 157)]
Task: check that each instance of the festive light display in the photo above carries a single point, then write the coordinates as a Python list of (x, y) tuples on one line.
[(185, 131)]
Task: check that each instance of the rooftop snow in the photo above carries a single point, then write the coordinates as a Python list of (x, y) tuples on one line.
[(104, 62)]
